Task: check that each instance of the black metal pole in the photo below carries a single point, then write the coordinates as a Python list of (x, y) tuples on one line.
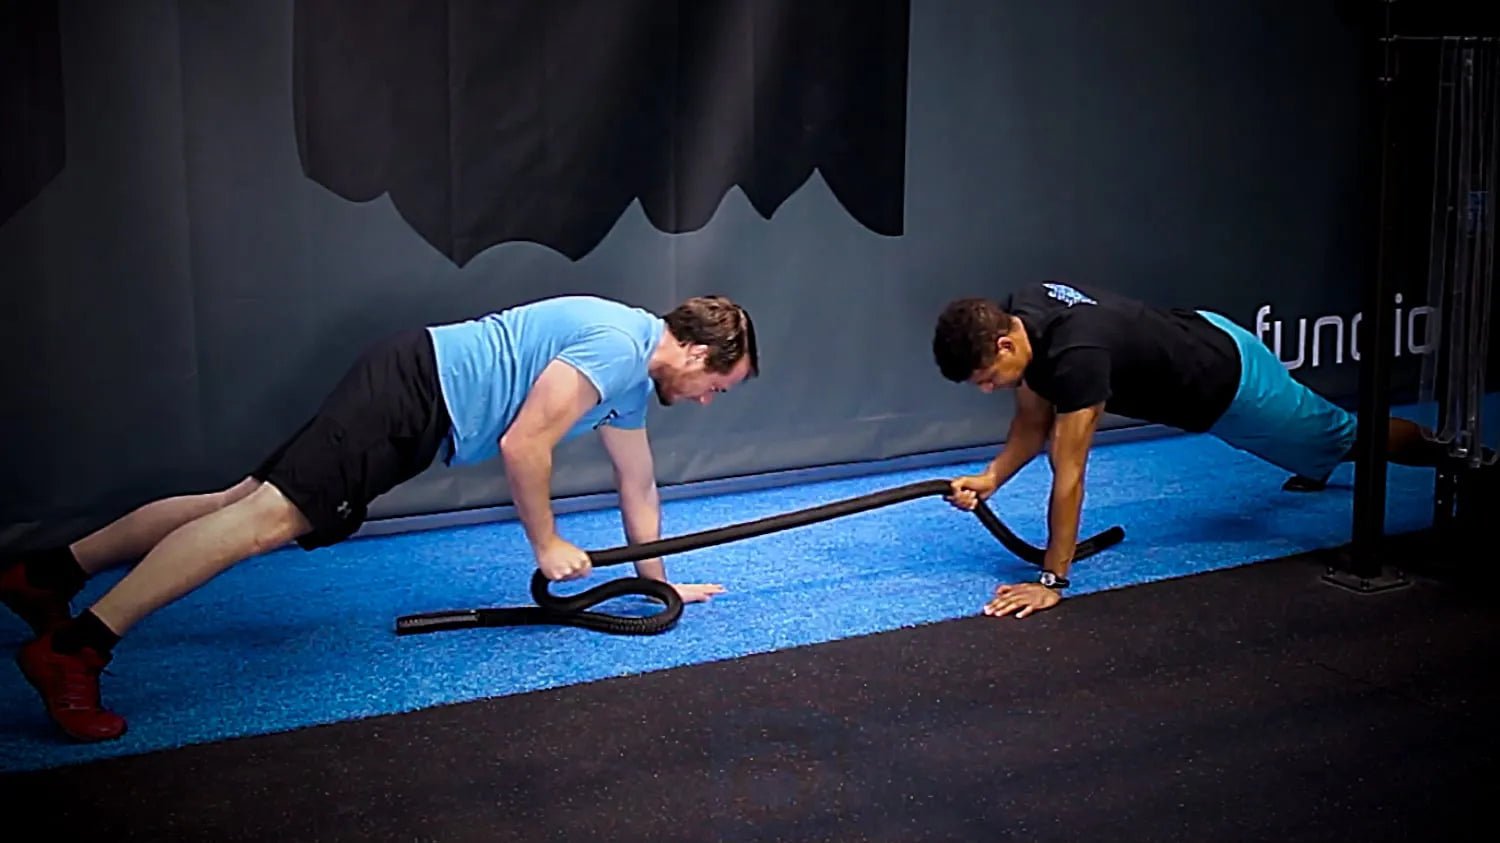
[(1376, 339)]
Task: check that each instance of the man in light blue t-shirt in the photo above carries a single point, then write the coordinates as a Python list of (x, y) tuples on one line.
[(511, 384), (517, 383)]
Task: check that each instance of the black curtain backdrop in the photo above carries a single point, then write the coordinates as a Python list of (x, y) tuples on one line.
[(491, 122), (32, 147)]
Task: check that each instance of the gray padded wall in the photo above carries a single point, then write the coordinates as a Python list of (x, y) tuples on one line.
[(180, 297)]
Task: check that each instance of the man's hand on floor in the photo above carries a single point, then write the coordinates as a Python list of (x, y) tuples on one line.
[(1022, 599)]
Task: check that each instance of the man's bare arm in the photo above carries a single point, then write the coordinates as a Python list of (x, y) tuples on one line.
[(640, 501), (558, 399), (1027, 436), (1072, 437)]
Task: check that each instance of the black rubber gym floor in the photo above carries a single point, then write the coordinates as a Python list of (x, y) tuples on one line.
[(1256, 703)]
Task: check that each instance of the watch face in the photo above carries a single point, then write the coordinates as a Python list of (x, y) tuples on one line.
[(1049, 578)]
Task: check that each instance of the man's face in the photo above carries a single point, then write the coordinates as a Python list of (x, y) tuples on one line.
[(692, 382), (1004, 371)]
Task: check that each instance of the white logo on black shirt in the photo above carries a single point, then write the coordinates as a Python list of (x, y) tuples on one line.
[(1067, 295)]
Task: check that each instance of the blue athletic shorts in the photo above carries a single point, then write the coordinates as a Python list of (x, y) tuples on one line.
[(1275, 417)]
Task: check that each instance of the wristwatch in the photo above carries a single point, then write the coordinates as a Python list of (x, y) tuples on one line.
[(1052, 580)]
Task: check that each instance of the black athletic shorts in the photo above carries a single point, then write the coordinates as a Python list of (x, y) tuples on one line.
[(383, 424)]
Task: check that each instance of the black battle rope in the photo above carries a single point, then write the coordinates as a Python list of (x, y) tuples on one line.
[(571, 611)]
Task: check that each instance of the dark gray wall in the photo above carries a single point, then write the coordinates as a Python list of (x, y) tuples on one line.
[(179, 298)]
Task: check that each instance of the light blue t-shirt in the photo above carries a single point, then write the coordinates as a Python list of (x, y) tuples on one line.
[(487, 365)]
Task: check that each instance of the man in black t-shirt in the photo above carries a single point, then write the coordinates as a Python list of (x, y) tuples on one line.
[(1073, 352)]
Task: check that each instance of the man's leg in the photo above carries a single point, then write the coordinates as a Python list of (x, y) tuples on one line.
[(131, 537), (1408, 443), (38, 585), (64, 664), (383, 423), (192, 554), (1278, 418)]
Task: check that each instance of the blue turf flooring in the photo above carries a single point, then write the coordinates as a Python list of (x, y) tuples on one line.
[(294, 639)]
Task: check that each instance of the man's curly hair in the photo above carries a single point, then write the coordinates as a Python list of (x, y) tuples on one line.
[(964, 340)]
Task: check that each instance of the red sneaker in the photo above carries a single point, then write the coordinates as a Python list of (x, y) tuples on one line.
[(42, 609), (69, 685)]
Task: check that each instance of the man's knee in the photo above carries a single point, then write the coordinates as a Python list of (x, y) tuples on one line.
[(238, 491), (275, 520)]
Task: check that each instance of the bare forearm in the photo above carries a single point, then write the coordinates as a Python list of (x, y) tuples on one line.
[(1063, 514), (1021, 447), (640, 511), (528, 468)]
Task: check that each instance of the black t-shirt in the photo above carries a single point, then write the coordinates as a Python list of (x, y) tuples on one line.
[(1164, 366)]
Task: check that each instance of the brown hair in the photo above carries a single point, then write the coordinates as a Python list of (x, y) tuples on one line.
[(720, 324)]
